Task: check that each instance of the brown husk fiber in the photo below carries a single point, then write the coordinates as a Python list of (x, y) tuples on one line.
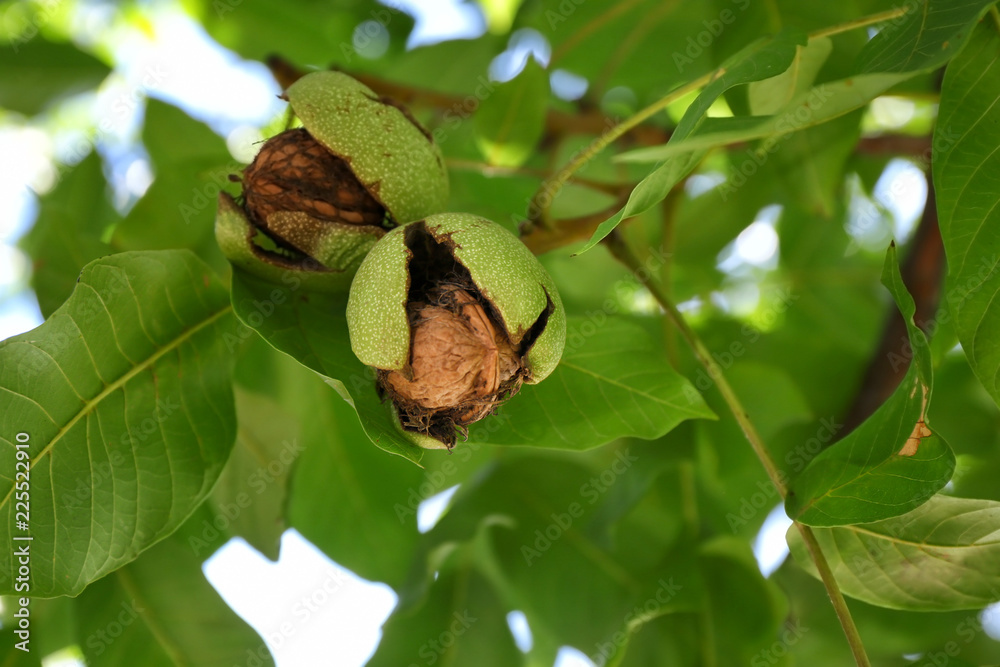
[(462, 363), (294, 172)]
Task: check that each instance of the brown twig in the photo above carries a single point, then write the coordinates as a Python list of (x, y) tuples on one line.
[(588, 120), (541, 240)]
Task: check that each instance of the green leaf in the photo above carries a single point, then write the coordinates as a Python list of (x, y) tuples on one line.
[(734, 583), (191, 165), (312, 329), (457, 66), (604, 397), (125, 398), (664, 640), (510, 122), (460, 622), (897, 57), (646, 46), (886, 633), (352, 501), (964, 163), (763, 59), (612, 382), (904, 50), (67, 234), (532, 519), (39, 72), (769, 395), (57, 619), (306, 32), (674, 599), (944, 555), (13, 656), (924, 38), (887, 466), (251, 491), (161, 611), (812, 164), (771, 95), (813, 107)]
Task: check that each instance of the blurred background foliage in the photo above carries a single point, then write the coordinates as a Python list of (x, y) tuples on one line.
[(122, 121)]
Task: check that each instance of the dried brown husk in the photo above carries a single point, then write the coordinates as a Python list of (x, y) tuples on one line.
[(462, 364), (295, 173)]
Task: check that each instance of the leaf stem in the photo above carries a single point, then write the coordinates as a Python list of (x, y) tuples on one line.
[(541, 202), (621, 250), (550, 187), (836, 597), (862, 22), (490, 170)]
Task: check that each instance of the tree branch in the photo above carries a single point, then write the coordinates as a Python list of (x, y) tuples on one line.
[(586, 121), (619, 248)]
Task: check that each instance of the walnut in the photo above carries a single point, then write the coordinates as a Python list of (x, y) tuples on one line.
[(456, 314), (317, 198), (461, 364), (294, 172)]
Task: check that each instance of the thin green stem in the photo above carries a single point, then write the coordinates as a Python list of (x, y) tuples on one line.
[(623, 253), (496, 170), (862, 22), (706, 631), (550, 187), (542, 200), (836, 597)]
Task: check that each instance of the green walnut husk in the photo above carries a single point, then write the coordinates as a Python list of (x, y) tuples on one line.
[(317, 198), (455, 313)]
